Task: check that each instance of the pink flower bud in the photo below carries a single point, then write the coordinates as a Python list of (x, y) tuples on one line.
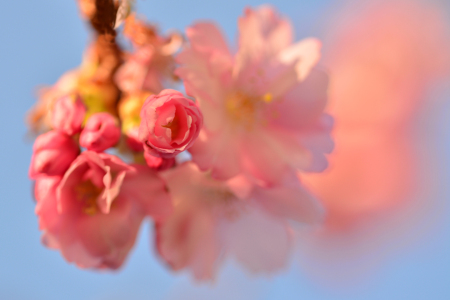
[(53, 152), (68, 114), (100, 132), (170, 123), (158, 163)]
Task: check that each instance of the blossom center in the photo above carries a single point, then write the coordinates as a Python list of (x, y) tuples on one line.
[(174, 127), (88, 194), (223, 201), (244, 109)]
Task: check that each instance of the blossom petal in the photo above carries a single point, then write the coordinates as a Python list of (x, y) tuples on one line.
[(302, 105), (188, 240), (262, 33), (146, 188), (206, 65), (290, 201), (258, 241), (218, 153), (306, 53), (272, 157), (110, 236)]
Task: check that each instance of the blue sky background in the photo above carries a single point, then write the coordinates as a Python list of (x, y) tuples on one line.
[(39, 41)]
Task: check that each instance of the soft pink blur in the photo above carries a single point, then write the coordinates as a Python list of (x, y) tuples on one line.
[(170, 123), (53, 152), (100, 132), (93, 213), (150, 66), (263, 107), (217, 220), (383, 58)]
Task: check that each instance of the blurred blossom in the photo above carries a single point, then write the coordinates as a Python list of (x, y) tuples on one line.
[(263, 107), (93, 213), (384, 56), (100, 132), (214, 220), (150, 67)]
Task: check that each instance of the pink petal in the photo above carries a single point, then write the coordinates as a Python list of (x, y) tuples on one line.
[(146, 188), (290, 201), (263, 30), (241, 186), (188, 240), (301, 105), (218, 153), (207, 37), (262, 35), (258, 241), (283, 83), (271, 158), (183, 125), (206, 66), (305, 53), (46, 206), (165, 114), (111, 191), (110, 236)]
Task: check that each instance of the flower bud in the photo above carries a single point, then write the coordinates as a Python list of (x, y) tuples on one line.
[(68, 114), (158, 163), (100, 132), (170, 123), (53, 152)]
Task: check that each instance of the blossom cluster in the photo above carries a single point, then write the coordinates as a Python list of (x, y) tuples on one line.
[(215, 169)]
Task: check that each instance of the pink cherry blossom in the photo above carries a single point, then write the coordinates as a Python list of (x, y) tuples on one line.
[(263, 106), (100, 132), (170, 123), (68, 114), (53, 152), (216, 219), (93, 213)]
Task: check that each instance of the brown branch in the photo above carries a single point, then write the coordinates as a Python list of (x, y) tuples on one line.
[(101, 14), (108, 55), (104, 17)]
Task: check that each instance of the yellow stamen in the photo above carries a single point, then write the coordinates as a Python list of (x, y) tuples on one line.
[(88, 193), (268, 98), (244, 109)]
